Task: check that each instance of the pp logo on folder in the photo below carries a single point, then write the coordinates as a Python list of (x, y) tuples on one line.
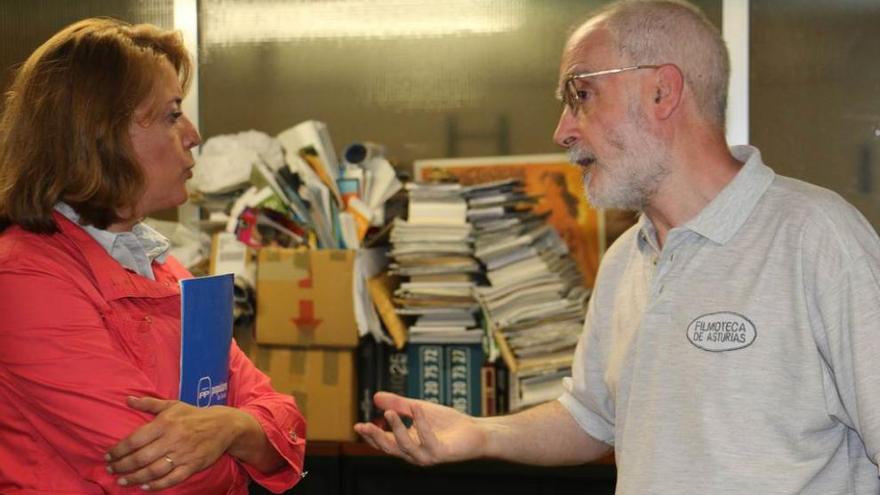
[(204, 397)]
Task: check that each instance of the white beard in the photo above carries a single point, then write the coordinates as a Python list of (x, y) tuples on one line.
[(631, 179)]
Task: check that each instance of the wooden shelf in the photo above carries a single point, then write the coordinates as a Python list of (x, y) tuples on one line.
[(362, 449), (355, 468)]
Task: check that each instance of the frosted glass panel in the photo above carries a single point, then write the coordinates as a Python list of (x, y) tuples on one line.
[(815, 94), (26, 24), (427, 78)]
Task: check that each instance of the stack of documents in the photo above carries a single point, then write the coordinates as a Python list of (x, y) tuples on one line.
[(535, 302), (433, 249)]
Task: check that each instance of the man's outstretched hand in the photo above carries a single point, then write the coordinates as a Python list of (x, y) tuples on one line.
[(438, 433)]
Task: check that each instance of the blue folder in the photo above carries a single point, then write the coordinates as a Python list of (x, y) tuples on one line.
[(205, 339)]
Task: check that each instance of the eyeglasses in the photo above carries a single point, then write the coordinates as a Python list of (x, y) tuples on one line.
[(571, 96)]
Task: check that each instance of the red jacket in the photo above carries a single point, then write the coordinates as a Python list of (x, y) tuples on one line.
[(78, 334)]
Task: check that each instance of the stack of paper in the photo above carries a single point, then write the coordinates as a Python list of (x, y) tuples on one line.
[(535, 302), (292, 191), (308, 187), (434, 250), (294, 178), (533, 387)]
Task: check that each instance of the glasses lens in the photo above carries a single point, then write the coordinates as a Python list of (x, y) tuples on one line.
[(570, 96)]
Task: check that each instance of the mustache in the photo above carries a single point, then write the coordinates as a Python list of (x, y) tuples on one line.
[(579, 155)]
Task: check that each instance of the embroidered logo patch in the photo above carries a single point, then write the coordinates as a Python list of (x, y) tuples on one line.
[(722, 331)]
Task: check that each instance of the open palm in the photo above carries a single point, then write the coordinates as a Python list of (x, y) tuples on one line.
[(438, 433)]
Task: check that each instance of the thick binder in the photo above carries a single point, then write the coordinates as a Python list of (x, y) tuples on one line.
[(205, 339)]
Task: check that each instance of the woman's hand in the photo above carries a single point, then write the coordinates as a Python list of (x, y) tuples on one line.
[(179, 442)]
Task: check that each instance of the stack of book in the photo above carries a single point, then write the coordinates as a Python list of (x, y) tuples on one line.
[(432, 251), (482, 246), (535, 302)]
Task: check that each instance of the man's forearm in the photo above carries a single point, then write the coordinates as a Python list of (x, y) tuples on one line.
[(544, 435)]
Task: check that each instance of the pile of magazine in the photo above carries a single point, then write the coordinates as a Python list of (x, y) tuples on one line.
[(535, 302)]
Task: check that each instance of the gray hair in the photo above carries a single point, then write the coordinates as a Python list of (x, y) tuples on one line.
[(674, 32)]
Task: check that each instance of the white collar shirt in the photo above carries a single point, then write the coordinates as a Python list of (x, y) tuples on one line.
[(135, 250)]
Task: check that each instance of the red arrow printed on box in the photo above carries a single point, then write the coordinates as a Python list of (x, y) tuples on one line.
[(306, 320)]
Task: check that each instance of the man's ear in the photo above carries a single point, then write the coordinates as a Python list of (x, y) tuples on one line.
[(668, 89)]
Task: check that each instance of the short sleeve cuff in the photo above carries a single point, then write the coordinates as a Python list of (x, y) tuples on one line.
[(596, 426)]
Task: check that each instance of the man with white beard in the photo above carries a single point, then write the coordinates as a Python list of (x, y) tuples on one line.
[(729, 344)]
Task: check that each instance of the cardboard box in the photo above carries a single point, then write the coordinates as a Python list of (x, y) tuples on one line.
[(305, 298), (323, 383)]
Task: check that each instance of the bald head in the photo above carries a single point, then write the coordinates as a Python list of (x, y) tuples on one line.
[(668, 32)]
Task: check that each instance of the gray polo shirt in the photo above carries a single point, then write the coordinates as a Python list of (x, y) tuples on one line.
[(743, 357)]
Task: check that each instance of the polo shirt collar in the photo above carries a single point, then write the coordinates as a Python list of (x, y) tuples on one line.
[(719, 220), (728, 211), (647, 237)]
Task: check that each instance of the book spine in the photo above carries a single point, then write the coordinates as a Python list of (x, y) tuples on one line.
[(488, 390), (426, 378), (396, 371), (367, 365), (393, 378), (463, 363), (502, 388)]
